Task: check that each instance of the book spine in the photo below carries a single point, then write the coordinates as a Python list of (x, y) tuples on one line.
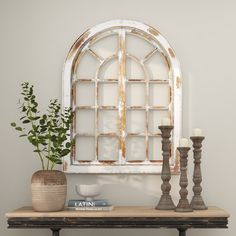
[(105, 208), (87, 204)]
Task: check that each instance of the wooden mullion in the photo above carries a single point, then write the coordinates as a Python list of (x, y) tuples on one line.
[(122, 97)]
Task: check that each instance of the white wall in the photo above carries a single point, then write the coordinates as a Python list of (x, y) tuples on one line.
[(34, 39)]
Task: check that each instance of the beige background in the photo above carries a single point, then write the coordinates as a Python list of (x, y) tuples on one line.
[(34, 39)]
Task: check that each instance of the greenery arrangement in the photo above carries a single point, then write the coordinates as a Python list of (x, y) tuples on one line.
[(48, 133)]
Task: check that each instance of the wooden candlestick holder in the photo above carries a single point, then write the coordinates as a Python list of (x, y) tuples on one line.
[(197, 202), (183, 205), (166, 202)]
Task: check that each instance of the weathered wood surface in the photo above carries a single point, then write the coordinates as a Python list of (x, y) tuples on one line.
[(122, 211), (120, 217)]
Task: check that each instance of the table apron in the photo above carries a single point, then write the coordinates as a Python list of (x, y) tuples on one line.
[(116, 222)]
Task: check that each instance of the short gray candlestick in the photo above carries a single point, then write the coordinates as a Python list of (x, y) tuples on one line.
[(166, 202), (183, 205), (197, 202)]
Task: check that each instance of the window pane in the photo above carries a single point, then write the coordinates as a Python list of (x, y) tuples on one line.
[(135, 149), (136, 121), (85, 94), (109, 70), (108, 149), (137, 46), (157, 67), (108, 121), (108, 94), (85, 149), (85, 121), (106, 46), (159, 95), (134, 70), (154, 149), (87, 67), (135, 94)]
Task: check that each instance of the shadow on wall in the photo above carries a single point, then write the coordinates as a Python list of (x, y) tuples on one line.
[(125, 189)]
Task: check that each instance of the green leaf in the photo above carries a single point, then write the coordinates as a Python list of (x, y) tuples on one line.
[(32, 132), (42, 122), (68, 145), (37, 150), (26, 121), (43, 143), (65, 152), (34, 142), (34, 110), (13, 124), (24, 109), (19, 128), (36, 118), (23, 117), (55, 144), (43, 129), (23, 135), (58, 161)]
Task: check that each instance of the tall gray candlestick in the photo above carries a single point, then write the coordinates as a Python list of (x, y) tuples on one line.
[(166, 202), (183, 205), (197, 202)]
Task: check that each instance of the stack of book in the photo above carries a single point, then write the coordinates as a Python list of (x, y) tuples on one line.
[(94, 205)]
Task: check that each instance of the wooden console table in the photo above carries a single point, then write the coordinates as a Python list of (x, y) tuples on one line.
[(120, 217)]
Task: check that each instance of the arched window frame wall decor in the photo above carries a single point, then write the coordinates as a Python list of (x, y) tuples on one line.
[(82, 45)]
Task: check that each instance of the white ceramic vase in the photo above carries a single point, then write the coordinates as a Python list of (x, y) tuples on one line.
[(88, 191)]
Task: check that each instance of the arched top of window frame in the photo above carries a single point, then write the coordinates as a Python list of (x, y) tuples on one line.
[(84, 44)]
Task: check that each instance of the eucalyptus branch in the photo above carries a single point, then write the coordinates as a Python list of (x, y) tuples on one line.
[(48, 133), (37, 145)]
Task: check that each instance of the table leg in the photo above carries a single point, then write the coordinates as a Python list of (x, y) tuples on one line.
[(182, 232), (55, 231)]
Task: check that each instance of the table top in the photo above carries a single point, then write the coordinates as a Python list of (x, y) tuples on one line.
[(121, 211), (119, 217)]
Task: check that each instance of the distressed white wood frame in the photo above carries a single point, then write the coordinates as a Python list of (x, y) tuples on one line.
[(82, 44)]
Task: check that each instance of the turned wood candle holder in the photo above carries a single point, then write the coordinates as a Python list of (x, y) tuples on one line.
[(183, 205), (197, 202), (166, 202)]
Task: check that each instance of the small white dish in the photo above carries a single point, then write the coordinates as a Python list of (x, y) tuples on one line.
[(88, 191)]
